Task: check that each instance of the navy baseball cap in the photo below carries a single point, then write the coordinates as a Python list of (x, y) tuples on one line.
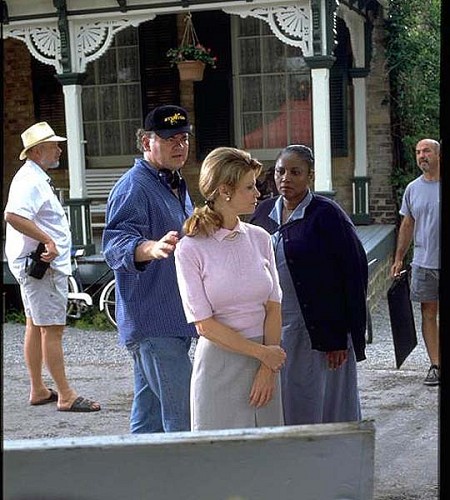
[(167, 121)]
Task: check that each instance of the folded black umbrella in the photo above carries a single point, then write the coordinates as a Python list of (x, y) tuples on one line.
[(402, 318)]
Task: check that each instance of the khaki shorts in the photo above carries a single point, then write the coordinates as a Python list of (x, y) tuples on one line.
[(45, 300), (424, 284)]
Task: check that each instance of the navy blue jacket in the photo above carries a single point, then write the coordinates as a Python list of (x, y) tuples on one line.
[(328, 265)]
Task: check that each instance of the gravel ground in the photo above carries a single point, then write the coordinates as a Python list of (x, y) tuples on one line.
[(405, 411)]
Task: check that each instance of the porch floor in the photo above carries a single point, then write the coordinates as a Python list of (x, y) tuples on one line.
[(378, 241)]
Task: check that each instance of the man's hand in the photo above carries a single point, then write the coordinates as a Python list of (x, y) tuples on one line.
[(165, 246), (50, 252), (29, 228), (396, 268), (156, 250)]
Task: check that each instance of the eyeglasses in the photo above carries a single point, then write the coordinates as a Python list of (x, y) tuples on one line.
[(174, 140)]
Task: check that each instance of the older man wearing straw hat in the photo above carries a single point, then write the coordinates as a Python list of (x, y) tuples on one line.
[(38, 244)]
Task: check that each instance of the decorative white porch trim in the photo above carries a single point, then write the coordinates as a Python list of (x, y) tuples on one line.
[(90, 40), (291, 24), (355, 23), (43, 42)]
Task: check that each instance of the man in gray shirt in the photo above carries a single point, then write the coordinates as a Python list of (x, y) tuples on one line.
[(421, 223)]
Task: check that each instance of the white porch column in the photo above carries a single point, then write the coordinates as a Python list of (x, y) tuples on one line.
[(322, 130), (75, 140), (359, 87), (78, 205), (360, 184)]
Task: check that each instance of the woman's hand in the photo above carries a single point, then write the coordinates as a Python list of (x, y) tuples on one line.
[(273, 356), (336, 359), (263, 387)]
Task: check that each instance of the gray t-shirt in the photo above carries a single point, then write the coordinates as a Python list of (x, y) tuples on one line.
[(422, 201)]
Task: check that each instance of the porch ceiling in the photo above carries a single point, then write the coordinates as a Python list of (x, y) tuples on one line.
[(21, 11), (18, 11)]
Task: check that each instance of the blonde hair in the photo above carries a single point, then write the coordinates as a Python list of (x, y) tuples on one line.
[(223, 165)]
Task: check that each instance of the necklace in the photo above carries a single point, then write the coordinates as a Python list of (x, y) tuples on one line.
[(287, 212)]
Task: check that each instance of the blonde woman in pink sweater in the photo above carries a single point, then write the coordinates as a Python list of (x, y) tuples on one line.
[(230, 290)]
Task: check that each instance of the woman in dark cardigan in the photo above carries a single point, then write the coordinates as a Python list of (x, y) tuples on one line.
[(323, 273)]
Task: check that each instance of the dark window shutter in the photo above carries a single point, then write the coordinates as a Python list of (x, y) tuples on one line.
[(213, 95), (159, 81), (338, 113), (338, 91), (48, 99)]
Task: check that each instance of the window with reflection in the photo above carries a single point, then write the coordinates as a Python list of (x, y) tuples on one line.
[(273, 89), (111, 100)]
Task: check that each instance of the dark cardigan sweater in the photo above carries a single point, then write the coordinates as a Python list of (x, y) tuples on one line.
[(328, 265)]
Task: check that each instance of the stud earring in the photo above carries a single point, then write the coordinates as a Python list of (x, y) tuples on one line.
[(228, 198)]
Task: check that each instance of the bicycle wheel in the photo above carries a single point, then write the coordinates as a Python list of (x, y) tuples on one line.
[(73, 285), (72, 308), (107, 302)]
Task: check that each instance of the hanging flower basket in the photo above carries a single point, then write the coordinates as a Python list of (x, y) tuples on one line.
[(191, 56), (191, 70)]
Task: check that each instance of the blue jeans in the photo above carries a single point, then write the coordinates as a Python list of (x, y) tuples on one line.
[(162, 375)]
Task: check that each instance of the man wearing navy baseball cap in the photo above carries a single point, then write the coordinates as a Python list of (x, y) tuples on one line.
[(144, 217), (167, 121)]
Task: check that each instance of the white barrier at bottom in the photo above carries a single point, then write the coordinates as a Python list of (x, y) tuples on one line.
[(310, 462)]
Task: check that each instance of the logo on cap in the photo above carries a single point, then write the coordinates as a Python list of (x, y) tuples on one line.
[(174, 119)]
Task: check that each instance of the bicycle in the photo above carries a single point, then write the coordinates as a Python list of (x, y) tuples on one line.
[(81, 299)]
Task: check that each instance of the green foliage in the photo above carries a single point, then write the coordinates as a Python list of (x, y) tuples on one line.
[(15, 316), (92, 319), (191, 53), (413, 58)]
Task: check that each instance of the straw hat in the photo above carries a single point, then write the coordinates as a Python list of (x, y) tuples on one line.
[(36, 134)]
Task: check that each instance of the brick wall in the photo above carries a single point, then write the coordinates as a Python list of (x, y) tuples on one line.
[(18, 105), (379, 141), (379, 281)]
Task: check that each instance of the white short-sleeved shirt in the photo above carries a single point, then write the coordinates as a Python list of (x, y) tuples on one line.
[(421, 201), (32, 197), (229, 276)]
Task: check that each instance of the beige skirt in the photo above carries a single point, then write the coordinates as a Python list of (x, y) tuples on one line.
[(220, 388)]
